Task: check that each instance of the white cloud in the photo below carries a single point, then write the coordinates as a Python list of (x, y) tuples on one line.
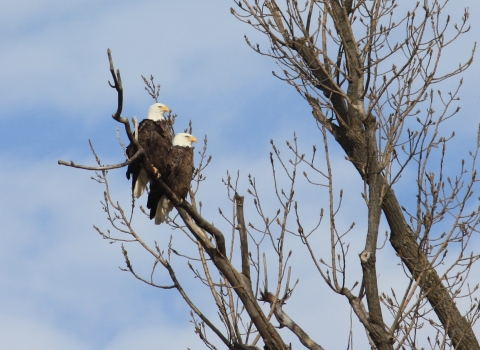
[(64, 65), (56, 268), (19, 333), (154, 337)]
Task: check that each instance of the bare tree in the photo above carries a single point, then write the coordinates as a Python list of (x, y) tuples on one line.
[(367, 69)]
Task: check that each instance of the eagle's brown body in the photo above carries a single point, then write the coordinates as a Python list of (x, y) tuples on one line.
[(155, 137), (177, 176)]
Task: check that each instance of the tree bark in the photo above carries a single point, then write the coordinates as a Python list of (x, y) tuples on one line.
[(407, 248), (378, 332), (405, 244)]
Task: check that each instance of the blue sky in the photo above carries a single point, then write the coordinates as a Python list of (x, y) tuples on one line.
[(61, 286)]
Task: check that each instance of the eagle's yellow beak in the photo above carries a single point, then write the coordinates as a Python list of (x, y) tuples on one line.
[(193, 138), (164, 108)]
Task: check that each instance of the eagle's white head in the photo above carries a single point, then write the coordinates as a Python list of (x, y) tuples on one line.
[(184, 140), (155, 112)]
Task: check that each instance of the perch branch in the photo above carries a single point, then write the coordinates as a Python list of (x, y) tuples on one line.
[(100, 168)]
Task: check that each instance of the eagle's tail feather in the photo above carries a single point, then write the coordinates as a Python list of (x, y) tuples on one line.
[(164, 207), (140, 183)]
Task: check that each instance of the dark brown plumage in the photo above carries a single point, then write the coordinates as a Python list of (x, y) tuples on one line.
[(155, 136), (177, 176)]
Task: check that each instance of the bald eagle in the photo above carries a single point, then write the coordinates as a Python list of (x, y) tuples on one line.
[(155, 136), (178, 175)]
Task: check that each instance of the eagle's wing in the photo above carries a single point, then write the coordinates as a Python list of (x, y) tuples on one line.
[(180, 165), (178, 175), (155, 138)]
